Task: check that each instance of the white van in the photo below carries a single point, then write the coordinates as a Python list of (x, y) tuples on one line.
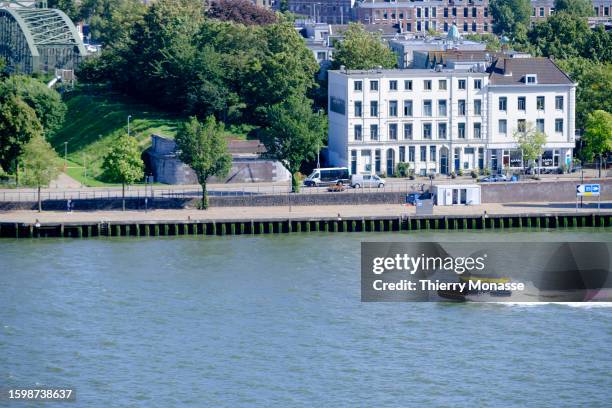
[(366, 180), (328, 176)]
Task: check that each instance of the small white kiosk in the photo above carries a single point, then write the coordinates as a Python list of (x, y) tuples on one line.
[(457, 194)]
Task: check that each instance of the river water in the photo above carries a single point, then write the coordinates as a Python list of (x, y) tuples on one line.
[(277, 321)]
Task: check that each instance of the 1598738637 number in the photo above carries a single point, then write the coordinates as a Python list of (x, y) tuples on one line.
[(40, 394)]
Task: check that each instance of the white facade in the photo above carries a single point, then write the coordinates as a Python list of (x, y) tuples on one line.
[(453, 123)]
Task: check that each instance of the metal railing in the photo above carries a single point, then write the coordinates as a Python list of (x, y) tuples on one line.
[(30, 195)]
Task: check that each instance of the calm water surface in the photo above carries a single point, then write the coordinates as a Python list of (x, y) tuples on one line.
[(277, 321)]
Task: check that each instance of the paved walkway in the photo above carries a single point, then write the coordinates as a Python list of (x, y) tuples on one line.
[(257, 213)]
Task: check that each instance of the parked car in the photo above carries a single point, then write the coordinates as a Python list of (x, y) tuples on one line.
[(366, 180), (328, 176), (493, 178), (336, 188)]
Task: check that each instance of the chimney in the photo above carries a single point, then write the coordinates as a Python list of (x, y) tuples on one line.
[(507, 71)]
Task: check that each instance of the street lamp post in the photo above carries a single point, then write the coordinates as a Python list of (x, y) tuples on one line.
[(129, 117)]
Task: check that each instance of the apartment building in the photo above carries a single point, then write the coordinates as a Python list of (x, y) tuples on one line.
[(470, 16), (449, 118), (323, 11)]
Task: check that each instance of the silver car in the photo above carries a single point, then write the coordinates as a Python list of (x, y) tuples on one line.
[(366, 181)]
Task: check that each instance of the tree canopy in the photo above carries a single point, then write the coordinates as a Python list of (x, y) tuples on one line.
[(562, 35), (241, 11), (40, 164), (294, 134), (580, 8), (531, 143), (510, 17), (187, 63), (18, 125), (47, 103), (202, 146), (597, 135), (361, 49)]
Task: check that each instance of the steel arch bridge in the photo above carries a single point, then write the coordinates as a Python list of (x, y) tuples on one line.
[(38, 40)]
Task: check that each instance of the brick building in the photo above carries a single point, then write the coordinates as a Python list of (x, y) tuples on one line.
[(470, 16)]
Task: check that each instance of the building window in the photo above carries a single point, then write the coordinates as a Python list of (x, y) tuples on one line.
[(442, 84), (408, 108), (358, 132), (373, 132), (442, 107), (540, 102), (393, 131), (485, 27), (461, 84), (559, 125), (445, 12), (377, 160), (393, 108), (461, 130), (358, 86), (531, 79), (427, 107), (503, 127), (393, 85), (373, 85), (402, 154), (503, 103), (477, 128), (540, 125), (374, 108), (358, 110), (454, 11), (408, 131), (418, 10), (521, 125), (559, 103), (477, 107), (474, 11), (427, 85), (461, 107), (432, 153), (427, 131), (478, 84), (408, 85), (465, 27), (426, 12), (465, 12), (445, 27), (441, 130), (533, 12), (353, 161), (410, 153), (522, 103), (423, 153), (418, 26), (541, 11), (474, 26)]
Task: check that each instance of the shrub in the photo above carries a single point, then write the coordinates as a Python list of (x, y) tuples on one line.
[(402, 169), (473, 174), (460, 172)]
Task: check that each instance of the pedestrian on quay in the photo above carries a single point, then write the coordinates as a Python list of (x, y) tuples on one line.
[(69, 205)]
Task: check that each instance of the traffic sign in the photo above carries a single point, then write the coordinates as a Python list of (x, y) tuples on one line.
[(586, 190)]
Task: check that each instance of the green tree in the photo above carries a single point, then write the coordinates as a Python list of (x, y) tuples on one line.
[(47, 103), (561, 35), (111, 22), (510, 16), (294, 134), (594, 84), (531, 143), (18, 124), (361, 49), (598, 136), (580, 8), (70, 7), (122, 164), (598, 46), (202, 146), (40, 164)]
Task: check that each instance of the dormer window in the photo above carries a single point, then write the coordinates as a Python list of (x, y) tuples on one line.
[(531, 79)]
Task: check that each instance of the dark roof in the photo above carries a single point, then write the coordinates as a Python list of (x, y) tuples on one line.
[(517, 68)]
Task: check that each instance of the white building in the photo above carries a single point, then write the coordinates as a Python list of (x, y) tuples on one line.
[(445, 119)]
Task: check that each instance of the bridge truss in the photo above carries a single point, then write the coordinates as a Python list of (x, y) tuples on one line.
[(38, 40)]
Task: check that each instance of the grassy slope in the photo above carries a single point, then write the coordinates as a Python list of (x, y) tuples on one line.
[(96, 119)]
